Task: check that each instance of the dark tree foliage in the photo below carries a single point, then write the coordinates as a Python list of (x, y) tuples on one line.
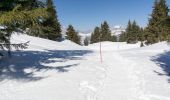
[(133, 33), (123, 37), (155, 30), (141, 35), (105, 32), (50, 27), (166, 24), (72, 35), (102, 33), (114, 38), (53, 26), (86, 41), (16, 20), (8, 5), (95, 37)]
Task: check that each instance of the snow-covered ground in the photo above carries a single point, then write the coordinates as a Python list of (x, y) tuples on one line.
[(50, 70)]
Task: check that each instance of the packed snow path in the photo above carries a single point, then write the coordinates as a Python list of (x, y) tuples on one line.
[(129, 75), (115, 81), (73, 72)]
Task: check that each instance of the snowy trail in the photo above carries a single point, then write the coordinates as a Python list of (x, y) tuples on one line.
[(122, 78), (91, 88), (147, 85), (116, 81)]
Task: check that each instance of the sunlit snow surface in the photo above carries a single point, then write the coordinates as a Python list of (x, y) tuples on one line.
[(50, 70)]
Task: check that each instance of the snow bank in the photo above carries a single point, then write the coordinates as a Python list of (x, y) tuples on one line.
[(155, 48)]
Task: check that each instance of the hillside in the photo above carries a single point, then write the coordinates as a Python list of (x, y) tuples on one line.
[(50, 70)]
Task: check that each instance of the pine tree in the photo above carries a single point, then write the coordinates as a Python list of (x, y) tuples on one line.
[(105, 32), (50, 27), (8, 5), (123, 37), (127, 34), (133, 33), (72, 35), (114, 38), (14, 20), (96, 35), (166, 24), (136, 30), (141, 35), (86, 41), (102, 34), (52, 22), (155, 30)]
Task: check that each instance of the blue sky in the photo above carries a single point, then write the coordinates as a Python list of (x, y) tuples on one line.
[(86, 14)]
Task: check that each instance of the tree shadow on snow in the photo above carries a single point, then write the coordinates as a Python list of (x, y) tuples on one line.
[(163, 60), (14, 68)]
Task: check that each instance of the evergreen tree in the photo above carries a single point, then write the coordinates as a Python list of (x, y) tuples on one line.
[(166, 24), (105, 32), (86, 41), (13, 21), (123, 37), (141, 37), (102, 34), (72, 35), (95, 37), (52, 22), (50, 27), (132, 33), (128, 31), (8, 5), (155, 30), (114, 38), (136, 31)]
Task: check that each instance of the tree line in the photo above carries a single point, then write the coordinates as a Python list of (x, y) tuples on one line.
[(102, 33), (39, 18), (157, 30)]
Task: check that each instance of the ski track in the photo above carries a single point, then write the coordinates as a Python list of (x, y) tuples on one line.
[(131, 78), (129, 84), (92, 90)]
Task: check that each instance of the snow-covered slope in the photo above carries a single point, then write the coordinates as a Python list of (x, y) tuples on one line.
[(50, 70), (39, 43)]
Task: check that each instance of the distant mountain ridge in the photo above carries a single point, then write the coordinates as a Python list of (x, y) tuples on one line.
[(115, 30)]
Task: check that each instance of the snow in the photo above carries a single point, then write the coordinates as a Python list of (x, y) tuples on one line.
[(113, 46), (117, 30), (83, 36), (50, 70), (41, 44)]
